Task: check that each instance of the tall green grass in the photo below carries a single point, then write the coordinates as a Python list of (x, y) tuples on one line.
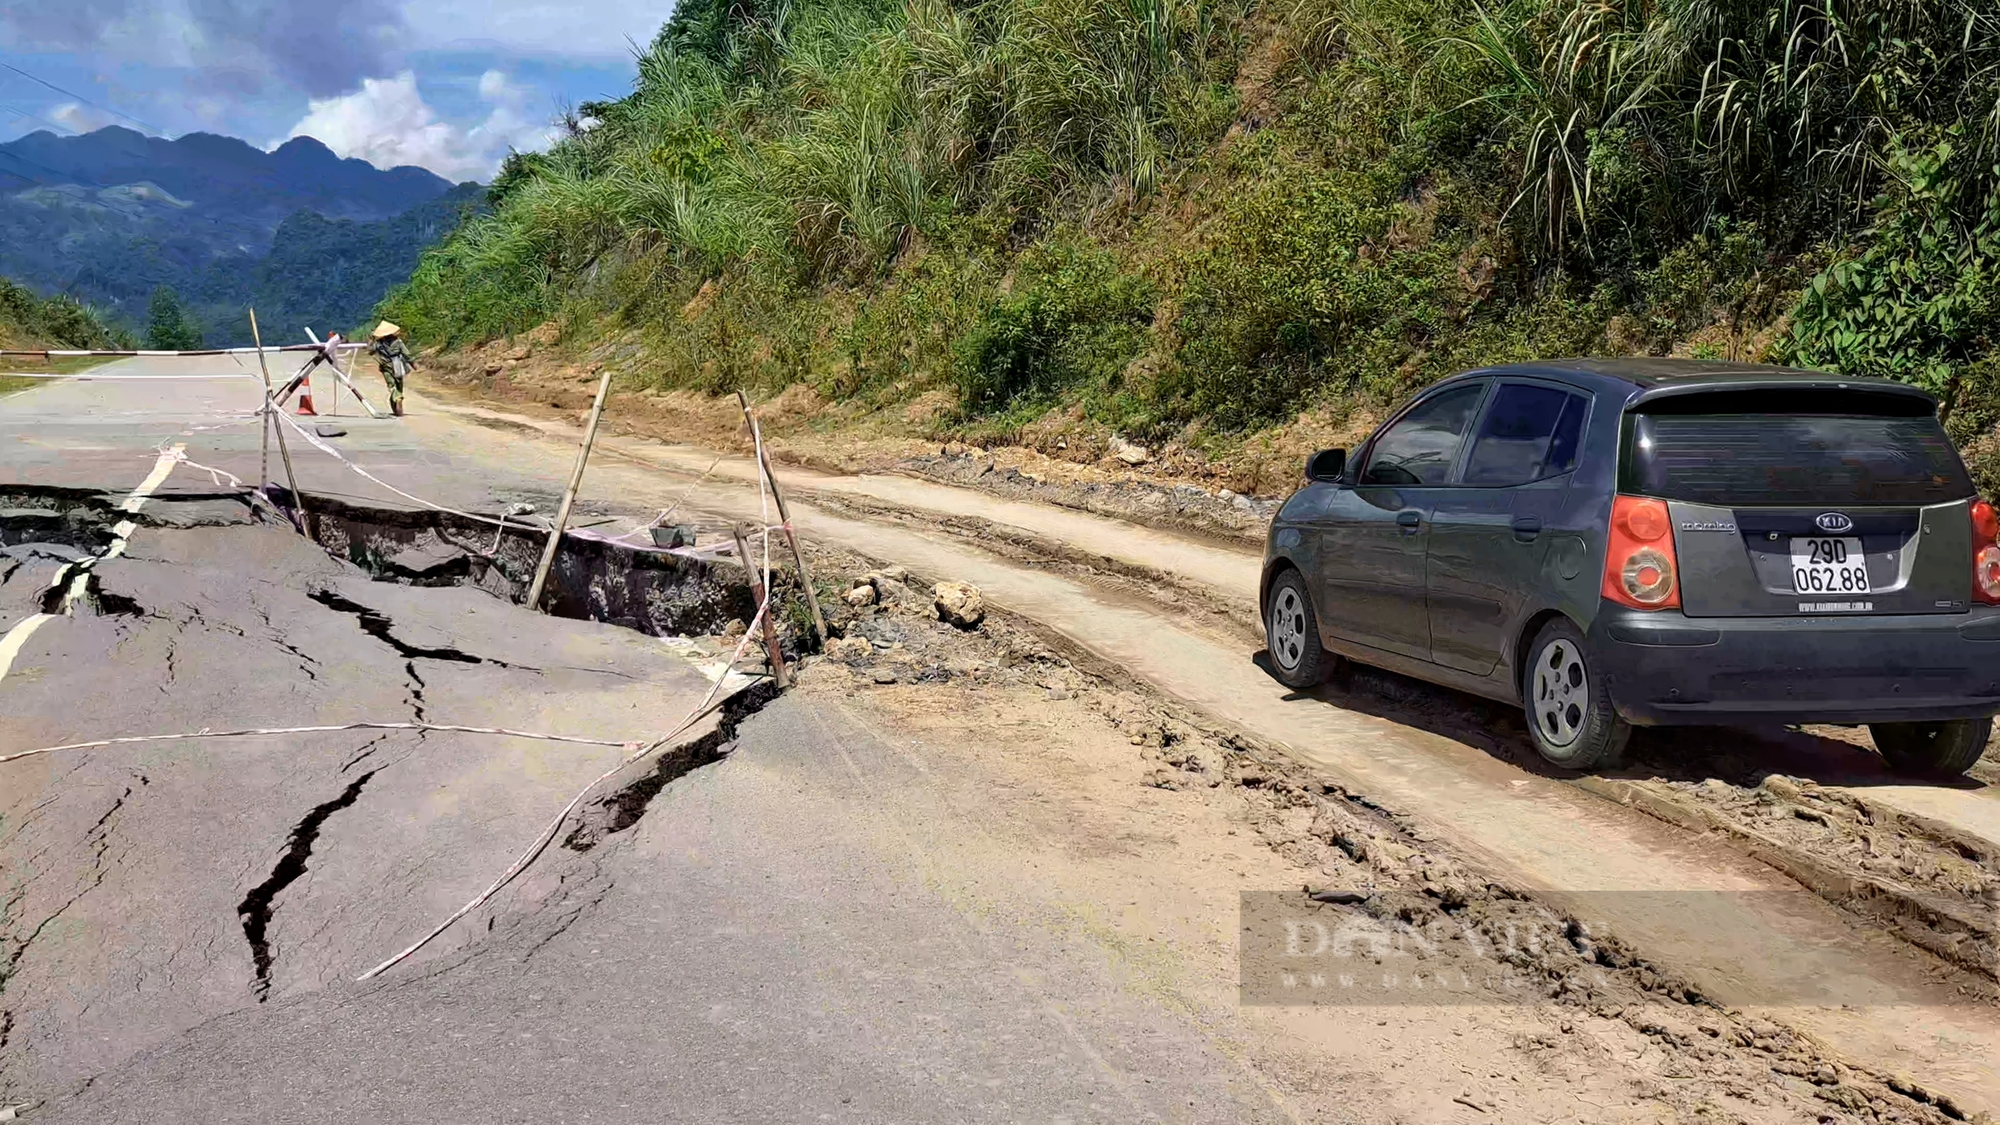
[(1033, 204)]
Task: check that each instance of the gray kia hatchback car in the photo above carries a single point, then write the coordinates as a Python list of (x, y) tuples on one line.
[(1618, 542)]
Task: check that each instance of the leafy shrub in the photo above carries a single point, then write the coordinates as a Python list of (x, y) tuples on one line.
[(61, 319), (1073, 319), (1922, 301)]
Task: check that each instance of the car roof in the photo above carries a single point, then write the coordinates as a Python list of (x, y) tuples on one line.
[(1656, 377)]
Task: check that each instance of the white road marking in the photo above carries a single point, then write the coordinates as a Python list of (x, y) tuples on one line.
[(10, 645)]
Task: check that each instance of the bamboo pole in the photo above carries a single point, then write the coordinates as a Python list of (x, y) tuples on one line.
[(264, 460), (784, 518), (761, 595), (569, 494), (284, 448)]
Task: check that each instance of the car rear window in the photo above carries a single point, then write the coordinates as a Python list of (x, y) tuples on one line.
[(1809, 459)]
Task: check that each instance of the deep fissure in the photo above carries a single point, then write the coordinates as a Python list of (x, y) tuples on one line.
[(258, 907), (648, 592), (377, 624), (627, 805)]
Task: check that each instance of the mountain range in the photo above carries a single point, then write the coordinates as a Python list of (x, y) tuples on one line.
[(306, 236)]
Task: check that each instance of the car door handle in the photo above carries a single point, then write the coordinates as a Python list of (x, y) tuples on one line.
[(1409, 521), (1526, 528)]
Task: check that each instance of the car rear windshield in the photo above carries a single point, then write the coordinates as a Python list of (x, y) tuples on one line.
[(1807, 459)]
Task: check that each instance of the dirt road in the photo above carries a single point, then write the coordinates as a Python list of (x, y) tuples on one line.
[(1762, 942)]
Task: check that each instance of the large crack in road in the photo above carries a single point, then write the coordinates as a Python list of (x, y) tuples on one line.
[(260, 904)]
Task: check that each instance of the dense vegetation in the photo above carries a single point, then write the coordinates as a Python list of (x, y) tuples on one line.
[(328, 274), (28, 321), (1192, 219), (56, 322)]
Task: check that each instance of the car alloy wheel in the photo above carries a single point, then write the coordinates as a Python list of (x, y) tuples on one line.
[(1561, 700), (1291, 633), (1570, 715), (1288, 627)]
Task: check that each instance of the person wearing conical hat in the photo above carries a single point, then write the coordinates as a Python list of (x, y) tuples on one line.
[(393, 357)]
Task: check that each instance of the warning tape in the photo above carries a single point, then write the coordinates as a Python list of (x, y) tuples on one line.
[(86, 377), (410, 496), (713, 550), (446, 727), (707, 705), (145, 353)]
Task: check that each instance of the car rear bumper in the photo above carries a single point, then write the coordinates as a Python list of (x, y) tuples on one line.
[(1667, 668)]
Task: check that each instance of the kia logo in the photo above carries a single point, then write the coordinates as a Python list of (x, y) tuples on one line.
[(1835, 522)]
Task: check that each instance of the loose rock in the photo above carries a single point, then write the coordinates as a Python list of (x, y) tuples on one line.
[(860, 596), (959, 603), (1782, 787), (850, 650), (1129, 452)]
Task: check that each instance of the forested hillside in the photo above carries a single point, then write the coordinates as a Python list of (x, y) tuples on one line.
[(1190, 221), (111, 217), (327, 273)]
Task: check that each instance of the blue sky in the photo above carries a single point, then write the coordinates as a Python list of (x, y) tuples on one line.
[(447, 84)]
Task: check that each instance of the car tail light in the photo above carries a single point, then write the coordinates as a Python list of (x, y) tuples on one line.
[(1639, 565), (1985, 553)]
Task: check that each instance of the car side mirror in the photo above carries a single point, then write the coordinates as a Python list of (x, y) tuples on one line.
[(1326, 465)]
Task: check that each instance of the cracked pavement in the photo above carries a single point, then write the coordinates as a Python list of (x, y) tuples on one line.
[(726, 931), (150, 889), (754, 948)]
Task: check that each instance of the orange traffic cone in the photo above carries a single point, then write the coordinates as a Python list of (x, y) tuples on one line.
[(306, 399)]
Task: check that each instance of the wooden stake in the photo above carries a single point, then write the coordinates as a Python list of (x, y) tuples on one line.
[(785, 518), (761, 596), (270, 423), (264, 462), (569, 494)]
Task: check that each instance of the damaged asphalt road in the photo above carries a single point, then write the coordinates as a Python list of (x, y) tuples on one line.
[(183, 922), (749, 951), (717, 932), (150, 889)]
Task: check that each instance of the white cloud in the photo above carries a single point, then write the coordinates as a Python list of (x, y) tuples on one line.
[(387, 122), (80, 118)]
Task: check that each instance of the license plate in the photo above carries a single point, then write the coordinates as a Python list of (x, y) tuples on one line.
[(1829, 566)]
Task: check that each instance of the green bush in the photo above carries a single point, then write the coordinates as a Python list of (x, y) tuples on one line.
[(168, 326), (1072, 320), (1921, 302), (60, 320)]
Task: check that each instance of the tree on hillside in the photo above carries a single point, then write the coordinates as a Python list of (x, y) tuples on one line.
[(168, 326)]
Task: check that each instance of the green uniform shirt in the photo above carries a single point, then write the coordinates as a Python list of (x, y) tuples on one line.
[(388, 351)]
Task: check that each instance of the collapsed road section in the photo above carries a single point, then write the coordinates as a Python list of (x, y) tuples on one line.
[(149, 888)]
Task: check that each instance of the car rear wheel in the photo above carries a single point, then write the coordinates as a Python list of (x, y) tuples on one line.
[(1570, 716), (1942, 749), (1291, 632)]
